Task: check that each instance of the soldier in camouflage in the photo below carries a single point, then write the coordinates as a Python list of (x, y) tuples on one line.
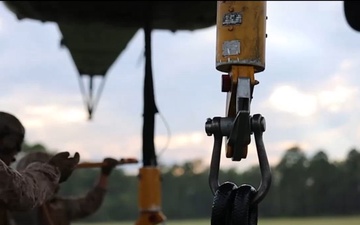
[(38, 182), (62, 210)]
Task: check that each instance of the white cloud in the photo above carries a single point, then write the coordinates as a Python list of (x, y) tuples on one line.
[(181, 140), (291, 100), (347, 64), (338, 91), (293, 42), (38, 107), (185, 146), (337, 99), (51, 114), (2, 26)]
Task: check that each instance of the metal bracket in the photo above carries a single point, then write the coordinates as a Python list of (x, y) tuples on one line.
[(220, 127)]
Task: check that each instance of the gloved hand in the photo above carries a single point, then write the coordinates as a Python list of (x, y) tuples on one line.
[(110, 164), (65, 164)]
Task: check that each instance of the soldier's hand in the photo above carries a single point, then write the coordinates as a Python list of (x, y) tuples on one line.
[(65, 164), (110, 164)]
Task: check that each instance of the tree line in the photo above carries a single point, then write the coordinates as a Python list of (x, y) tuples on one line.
[(301, 186)]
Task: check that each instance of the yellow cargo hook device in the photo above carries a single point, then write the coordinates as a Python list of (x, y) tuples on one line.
[(240, 53)]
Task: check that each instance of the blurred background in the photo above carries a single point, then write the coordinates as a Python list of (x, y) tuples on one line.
[(308, 94)]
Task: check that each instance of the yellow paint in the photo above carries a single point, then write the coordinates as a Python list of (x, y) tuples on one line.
[(236, 73), (250, 33), (246, 56), (150, 196)]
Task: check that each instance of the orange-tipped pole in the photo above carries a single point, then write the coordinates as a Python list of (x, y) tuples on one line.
[(122, 161)]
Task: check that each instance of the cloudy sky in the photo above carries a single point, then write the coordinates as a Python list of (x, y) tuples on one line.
[(308, 92)]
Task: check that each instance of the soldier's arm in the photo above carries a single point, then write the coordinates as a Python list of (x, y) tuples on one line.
[(83, 207), (78, 208), (29, 188)]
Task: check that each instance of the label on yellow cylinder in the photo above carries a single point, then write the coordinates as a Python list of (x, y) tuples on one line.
[(232, 18), (241, 34), (231, 48)]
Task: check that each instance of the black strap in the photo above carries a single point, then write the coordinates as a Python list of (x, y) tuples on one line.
[(150, 109)]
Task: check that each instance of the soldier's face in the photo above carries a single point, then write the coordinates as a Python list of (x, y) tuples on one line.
[(8, 158), (10, 145)]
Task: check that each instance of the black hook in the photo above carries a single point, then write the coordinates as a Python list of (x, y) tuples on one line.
[(220, 127)]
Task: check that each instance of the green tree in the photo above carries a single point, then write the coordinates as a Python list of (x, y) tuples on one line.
[(36, 147), (350, 178), (321, 191), (292, 182)]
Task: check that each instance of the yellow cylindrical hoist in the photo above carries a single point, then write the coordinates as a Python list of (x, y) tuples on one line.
[(240, 52), (150, 196)]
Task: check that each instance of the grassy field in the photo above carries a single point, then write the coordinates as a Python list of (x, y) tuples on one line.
[(355, 220)]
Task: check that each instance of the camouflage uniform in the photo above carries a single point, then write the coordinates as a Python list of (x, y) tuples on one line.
[(58, 210), (27, 189), (36, 183), (62, 211)]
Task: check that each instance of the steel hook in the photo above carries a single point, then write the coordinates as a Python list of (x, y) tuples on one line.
[(219, 127)]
